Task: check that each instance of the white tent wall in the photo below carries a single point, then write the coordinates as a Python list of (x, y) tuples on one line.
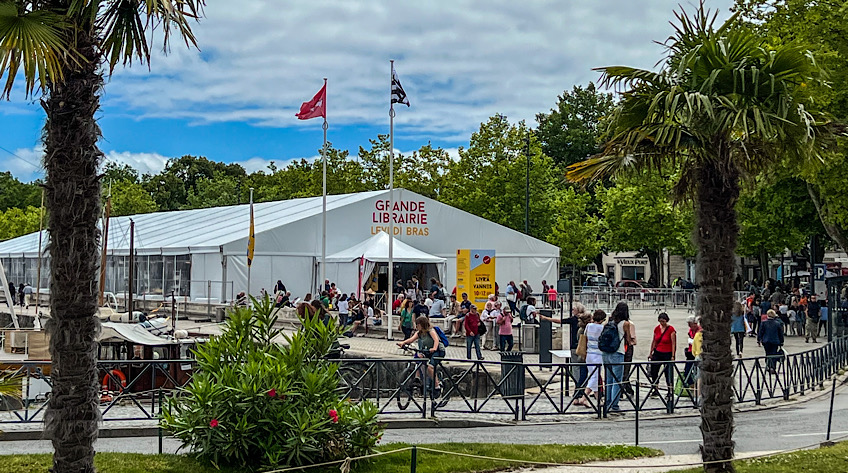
[(296, 272), (205, 271)]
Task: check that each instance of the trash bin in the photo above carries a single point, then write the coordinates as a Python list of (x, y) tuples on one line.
[(219, 314), (530, 338), (512, 374)]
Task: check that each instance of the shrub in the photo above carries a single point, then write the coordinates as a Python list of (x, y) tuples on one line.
[(257, 403)]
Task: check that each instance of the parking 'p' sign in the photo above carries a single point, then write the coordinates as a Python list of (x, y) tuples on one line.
[(821, 271)]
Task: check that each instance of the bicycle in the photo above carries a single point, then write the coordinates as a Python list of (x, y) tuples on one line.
[(355, 379), (411, 386)]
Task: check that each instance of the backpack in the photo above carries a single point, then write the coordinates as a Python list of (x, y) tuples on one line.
[(522, 312), (443, 339), (609, 341)]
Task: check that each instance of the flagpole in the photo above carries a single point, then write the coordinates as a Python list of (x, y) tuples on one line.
[(389, 298), (249, 256), (38, 272), (324, 200)]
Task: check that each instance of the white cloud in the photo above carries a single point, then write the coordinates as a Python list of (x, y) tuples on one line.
[(23, 163), (144, 163), (460, 61)]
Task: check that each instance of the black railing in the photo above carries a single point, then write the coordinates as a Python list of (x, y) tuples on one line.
[(498, 390)]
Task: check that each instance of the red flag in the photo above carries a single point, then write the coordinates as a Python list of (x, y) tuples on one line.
[(317, 107)]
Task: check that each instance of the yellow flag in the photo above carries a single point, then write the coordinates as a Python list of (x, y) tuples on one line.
[(251, 239)]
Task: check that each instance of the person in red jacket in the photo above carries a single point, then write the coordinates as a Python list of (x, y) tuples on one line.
[(472, 335)]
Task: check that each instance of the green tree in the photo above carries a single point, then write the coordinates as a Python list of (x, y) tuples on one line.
[(775, 215), (171, 188), (15, 222), (724, 104), (575, 229), (130, 198), (824, 26), (119, 172), (16, 194), (489, 179), (571, 132), (61, 47), (639, 215)]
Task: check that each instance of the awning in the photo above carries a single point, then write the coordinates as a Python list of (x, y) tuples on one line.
[(376, 249), (133, 333)]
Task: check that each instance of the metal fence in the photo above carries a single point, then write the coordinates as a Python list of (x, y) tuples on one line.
[(133, 390)]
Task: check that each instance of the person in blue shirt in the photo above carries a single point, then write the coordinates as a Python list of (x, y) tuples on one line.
[(771, 338)]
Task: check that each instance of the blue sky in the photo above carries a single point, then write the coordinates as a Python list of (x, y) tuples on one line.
[(460, 62)]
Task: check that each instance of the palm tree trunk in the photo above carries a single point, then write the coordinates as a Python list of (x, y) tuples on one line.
[(73, 200), (715, 237)]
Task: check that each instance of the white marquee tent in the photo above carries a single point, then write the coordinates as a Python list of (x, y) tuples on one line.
[(203, 252)]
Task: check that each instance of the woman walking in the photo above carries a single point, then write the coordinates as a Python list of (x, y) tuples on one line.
[(663, 348), (771, 337), (580, 398), (406, 317), (594, 355), (737, 327)]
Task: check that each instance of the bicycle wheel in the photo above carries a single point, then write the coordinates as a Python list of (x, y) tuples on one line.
[(355, 381), (410, 389)]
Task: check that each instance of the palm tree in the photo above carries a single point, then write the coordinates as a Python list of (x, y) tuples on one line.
[(723, 107), (62, 47)]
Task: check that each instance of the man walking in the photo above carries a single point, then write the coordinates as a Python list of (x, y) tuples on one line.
[(28, 295), (813, 314)]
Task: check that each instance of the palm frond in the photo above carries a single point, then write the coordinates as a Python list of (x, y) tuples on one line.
[(126, 23), (33, 40), (10, 385)]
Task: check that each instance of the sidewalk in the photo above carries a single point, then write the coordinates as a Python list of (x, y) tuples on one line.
[(637, 465)]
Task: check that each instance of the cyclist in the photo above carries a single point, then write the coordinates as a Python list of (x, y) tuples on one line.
[(428, 341)]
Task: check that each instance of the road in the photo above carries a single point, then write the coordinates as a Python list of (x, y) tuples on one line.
[(799, 425)]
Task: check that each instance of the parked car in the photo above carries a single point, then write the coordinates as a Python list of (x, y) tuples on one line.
[(635, 289)]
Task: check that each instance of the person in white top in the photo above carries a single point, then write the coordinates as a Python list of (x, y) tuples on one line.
[(344, 309), (594, 356), (490, 340)]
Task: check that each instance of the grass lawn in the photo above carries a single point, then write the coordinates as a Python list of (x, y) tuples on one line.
[(427, 462), (820, 460)]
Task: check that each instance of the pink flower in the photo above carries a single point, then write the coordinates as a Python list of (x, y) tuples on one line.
[(334, 415), (213, 423), (272, 392)]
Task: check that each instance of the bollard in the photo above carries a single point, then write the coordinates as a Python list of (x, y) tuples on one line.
[(414, 462), (160, 422)]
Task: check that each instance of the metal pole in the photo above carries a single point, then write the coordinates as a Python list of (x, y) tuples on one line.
[(637, 404), (104, 246), (389, 298), (527, 190), (414, 463), (324, 199), (129, 302), (38, 271), (160, 425), (830, 412), (209, 290)]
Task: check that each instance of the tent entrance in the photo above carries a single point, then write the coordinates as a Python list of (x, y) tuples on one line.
[(404, 272)]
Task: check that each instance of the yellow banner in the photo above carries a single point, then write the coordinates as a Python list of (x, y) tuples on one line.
[(475, 275)]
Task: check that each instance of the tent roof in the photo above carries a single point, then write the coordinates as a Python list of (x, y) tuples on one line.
[(376, 249), (197, 230), (117, 332)]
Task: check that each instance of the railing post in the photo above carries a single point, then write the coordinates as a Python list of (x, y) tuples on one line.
[(637, 404), (414, 462), (830, 411), (160, 423)]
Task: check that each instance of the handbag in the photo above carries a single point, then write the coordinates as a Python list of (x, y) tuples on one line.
[(583, 346), (481, 328)]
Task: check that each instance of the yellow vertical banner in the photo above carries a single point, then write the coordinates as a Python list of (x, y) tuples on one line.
[(475, 275)]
